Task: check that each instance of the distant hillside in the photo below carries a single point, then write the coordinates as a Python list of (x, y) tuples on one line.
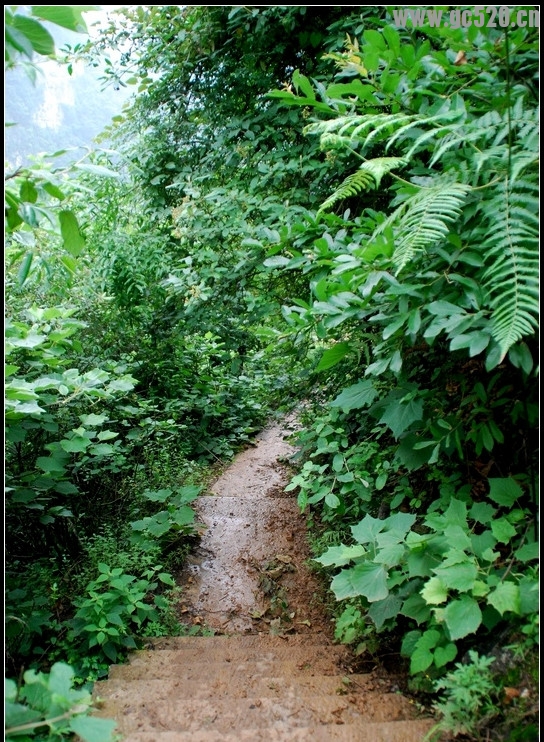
[(59, 111)]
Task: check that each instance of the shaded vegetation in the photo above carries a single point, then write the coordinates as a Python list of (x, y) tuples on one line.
[(299, 203)]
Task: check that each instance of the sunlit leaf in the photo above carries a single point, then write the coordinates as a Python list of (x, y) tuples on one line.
[(72, 237)]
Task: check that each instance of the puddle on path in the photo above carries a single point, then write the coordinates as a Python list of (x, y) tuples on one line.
[(248, 573)]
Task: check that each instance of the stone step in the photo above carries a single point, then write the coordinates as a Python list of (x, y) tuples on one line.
[(152, 706), (413, 731)]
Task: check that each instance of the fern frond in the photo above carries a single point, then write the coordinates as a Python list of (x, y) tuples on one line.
[(368, 176), (423, 220), (512, 260)]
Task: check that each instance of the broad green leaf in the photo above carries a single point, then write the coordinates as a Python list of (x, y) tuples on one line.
[(443, 655), (393, 39), (456, 514), (166, 579), (69, 263), (408, 455), (28, 192), (21, 391), (51, 463), (528, 552), (301, 82), (72, 237), (422, 657), (505, 597), (21, 43), (420, 661), (381, 610), (338, 462), (78, 444), (391, 555), (444, 308), (102, 449), (482, 543), (333, 355), (16, 714), (32, 340), (107, 435), (420, 563), (60, 680), (375, 39), (188, 493), (356, 396), (123, 384), (400, 523), (157, 495), (38, 36), (367, 530), (92, 420), (369, 580), (529, 595), (409, 643), (399, 416), (482, 512), (67, 16), (504, 491), (381, 481), (28, 408), (332, 500), (459, 577), (183, 516), (157, 524), (457, 537), (520, 357), (479, 589), (338, 556), (503, 530), (66, 488), (54, 191), (434, 592), (462, 617), (416, 608), (392, 327)]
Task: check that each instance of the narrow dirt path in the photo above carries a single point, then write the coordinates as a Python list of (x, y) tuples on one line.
[(249, 571), (272, 671)]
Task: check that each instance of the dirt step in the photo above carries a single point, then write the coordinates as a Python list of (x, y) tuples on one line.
[(327, 660), (221, 682), (413, 731), (147, 708), (253, 687), (205, 668), (244, 641)]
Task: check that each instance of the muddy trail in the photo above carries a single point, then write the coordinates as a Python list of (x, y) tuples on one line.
[(271, 671)]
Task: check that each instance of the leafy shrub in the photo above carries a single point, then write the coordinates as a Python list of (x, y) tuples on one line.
[(115, 610), (47, 707)]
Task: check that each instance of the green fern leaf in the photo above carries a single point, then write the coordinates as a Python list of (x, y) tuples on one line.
[(511, 254), (368, 176), (423, 220)]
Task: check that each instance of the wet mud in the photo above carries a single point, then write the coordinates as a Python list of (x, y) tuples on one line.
[(250, 570)]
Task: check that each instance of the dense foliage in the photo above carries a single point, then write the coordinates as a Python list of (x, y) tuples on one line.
[(300, 203)]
